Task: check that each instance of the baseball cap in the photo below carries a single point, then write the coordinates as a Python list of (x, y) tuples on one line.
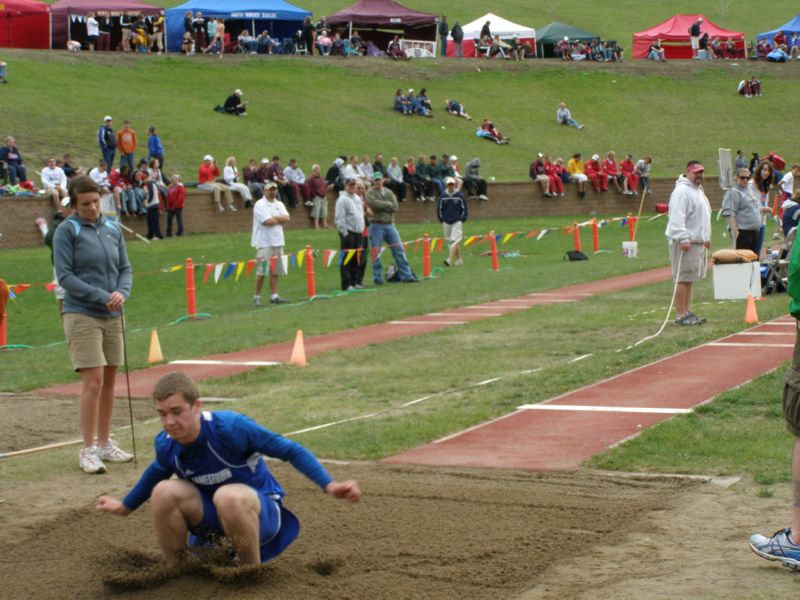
[(238, 92), (378, 175), (350, 180), (539, 155), (410, 90), (265, 161), (453, 157), (595, 157), (208, 157), (449, 180), (696, 168), (271, 184), (106, 118)]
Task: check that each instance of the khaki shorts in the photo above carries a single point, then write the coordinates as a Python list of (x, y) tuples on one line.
[(93, 342), (692, 263), (263, 256), (452, 233)]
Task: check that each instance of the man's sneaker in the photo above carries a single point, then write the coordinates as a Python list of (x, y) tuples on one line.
[(483, 197), (256, 300), (458, 262), (308, 203), (446, 262), (219, 208), (89, 461), (277, 300), (778, 547), (700, 319), (231, 208), (113, 453), (688, 319)]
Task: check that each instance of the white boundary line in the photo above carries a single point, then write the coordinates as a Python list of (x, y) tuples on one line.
[(611, 409), (765, 333), (747, 345)]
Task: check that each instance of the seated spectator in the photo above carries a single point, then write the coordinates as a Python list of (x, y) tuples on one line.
[(395, 49), (266, 45), (750, 87), (642, 170), (234, 105), (790, 212), (556, 184), (612, 171), (424, 101), (498, 48), (3, 69), (357, 44), (474, 183), (596, 51), (401, 103), (230, 173), (779, 41), (324, 43), (778, 55), (247, 43), (207, 175), (703, 46), (793, 45), (109, 196), (417, 107), (340, 46), (411, 177), (715, 48), (350, 169), (575, 170), (630, 181), (518, 51), (564, 48), (156, 178), (455, 108), (66, 165), (564, 117), (129, 200), (250, 174), (11, 158), (395, 180), (454, 170), (536, 172), (318, 194), (54, 183), (297, 180), (333, 177), (489, 131), (656, 52), (761, 48), (616, 52), (594, 171), (176, 198), (365, 170), (561, 171), (187, 44), (579, 50)]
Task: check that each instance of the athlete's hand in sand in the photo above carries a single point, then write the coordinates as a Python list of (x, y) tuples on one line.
[(346, 490), (112, 505)]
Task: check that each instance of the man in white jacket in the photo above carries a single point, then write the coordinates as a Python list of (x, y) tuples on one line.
[(54, 181), (689, 236)]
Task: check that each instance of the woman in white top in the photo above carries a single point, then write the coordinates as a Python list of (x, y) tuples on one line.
[(231, 176), (92, 31)]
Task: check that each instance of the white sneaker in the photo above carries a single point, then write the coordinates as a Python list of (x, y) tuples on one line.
[(113, 453), (256, 300), (232, 208), (90, 462), (219, 208)]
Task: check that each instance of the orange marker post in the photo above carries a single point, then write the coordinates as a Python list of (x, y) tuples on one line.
[(576, 237), (312, 287), (631, 227), (493, 246), (426, 256), (595, 236), (191, 300)]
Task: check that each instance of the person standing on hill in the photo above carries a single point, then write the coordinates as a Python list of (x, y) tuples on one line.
[(127, 143), (458, 39), (107, 141), (689, 236), (694, 36), (444, 29)]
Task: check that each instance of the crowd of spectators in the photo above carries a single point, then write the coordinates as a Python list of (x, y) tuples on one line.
[(627, 176), (595, 50)]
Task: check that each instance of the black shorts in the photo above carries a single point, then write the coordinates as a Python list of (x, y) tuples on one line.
[(748, 240)]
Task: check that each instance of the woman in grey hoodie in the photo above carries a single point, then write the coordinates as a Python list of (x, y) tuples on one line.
[(473, 182)]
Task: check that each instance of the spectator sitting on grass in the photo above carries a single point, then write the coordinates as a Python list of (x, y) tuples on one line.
[(656, 52), (417, 106), (455, 108), (489, 131), (564, 117), (234, 105), (401, 103)]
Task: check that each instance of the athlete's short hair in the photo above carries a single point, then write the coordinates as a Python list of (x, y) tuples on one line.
[(176, 383)]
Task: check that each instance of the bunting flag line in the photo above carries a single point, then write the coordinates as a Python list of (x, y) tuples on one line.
[(209, 268), (300, 256), (218, 271), (250, 264)]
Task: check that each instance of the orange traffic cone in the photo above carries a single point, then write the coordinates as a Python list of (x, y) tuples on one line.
[(154, 355), (298, 358), (750, 315)]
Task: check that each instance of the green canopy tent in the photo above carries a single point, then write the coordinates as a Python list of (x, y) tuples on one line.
[(548, 36)]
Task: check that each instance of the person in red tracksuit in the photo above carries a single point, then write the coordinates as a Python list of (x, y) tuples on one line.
[(612, 170), (594, 171), (556, 185), (176, 197), (631, 179)]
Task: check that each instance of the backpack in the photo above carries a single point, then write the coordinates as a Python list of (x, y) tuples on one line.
[(573, 255)]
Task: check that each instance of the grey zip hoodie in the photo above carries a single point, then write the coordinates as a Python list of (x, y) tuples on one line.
[(91, 263)]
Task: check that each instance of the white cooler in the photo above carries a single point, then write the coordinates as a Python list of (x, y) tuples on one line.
[(736, 281)]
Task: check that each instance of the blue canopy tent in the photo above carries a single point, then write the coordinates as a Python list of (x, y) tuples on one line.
[(280, 18), (788, 29)]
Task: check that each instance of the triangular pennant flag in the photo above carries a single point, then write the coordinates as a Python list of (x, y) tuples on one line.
[(239, 269), (272, 263), (175, 268), (375, 253), (567, 230), (50, 286), (470, 240), (331, 256), (20, 287), (508, 236), (209, 268), (301, 254), (291, 258), (439, 244), (12, 295), (416, 245), (532, 233), (349, 256), (229, 271), (497, 237), (542, 233), (285, 262), (218, 271), (250, 264)]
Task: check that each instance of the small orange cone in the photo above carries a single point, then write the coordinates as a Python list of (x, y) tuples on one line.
[(154, 355), (298, 358), (750, 315)]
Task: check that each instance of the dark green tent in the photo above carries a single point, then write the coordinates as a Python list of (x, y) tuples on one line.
[(549, 35)]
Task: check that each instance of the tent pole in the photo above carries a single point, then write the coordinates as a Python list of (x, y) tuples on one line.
[(349, 35)]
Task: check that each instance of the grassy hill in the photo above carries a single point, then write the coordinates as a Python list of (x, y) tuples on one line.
[(317, 109)]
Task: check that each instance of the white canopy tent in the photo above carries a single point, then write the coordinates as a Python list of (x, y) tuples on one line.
[(499, 26)]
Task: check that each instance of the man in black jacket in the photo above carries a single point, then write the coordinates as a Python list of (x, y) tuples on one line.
[(458, 37), (444, 29)]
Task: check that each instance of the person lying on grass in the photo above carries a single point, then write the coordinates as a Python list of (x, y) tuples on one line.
[(223, 486)]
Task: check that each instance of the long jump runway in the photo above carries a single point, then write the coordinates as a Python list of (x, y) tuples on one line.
[(563, 432), (233, 363)]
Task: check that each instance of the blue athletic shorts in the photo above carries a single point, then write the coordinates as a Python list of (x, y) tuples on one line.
[(278, 527)]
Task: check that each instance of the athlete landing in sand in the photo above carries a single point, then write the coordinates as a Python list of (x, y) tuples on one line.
[(223, 486)]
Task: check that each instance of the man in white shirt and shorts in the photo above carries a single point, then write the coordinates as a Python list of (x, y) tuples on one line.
[(269, 215)]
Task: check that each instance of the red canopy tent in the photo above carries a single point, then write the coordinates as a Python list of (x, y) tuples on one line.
[(382, 17), (64, 11), (674, 36), (24, 24)]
